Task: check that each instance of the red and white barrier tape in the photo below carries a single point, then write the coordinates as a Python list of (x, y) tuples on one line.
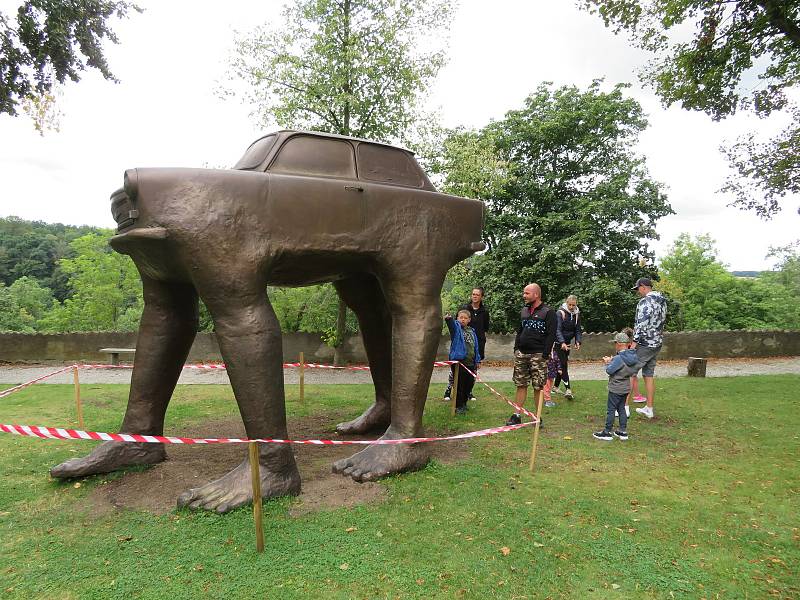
[(517, 407), (16, 388), (76, 434)]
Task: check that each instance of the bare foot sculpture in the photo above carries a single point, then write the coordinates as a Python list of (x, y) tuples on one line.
[(298, 209)]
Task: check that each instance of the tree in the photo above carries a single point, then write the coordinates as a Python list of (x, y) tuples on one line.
[(352, 67), (573, 208), (741, 55), (107, 290), (49, 43), (711, 298)]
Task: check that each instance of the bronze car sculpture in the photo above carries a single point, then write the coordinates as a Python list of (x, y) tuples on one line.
[(299, 208)]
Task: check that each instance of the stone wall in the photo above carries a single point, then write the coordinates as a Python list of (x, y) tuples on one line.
[(83, 347)]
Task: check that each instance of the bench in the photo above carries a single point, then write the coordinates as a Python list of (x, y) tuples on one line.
[(115, 352)]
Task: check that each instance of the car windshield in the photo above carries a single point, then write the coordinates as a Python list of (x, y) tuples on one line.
[(256, 153)]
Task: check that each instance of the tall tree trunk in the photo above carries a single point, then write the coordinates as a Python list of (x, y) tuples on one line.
[(341, 317), (341, 324)]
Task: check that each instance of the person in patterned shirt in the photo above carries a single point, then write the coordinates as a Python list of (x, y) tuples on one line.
[(648, 336)]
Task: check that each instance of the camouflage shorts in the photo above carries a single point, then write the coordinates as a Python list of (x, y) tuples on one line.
[(529, 369)]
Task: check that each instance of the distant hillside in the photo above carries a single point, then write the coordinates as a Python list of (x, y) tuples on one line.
[(746, 273), (33, 249)]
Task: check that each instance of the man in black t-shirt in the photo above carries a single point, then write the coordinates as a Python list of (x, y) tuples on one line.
[(532, 347)]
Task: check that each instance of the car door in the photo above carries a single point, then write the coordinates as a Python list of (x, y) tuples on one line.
[(314, 194)]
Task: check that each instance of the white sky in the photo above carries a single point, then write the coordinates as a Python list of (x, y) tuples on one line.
[(165, 113)]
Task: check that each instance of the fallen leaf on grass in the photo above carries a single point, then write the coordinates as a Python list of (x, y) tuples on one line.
[(344, 566), (505, 550), (349, 529), (77, 485), (538, 545), (614, 586), (124, 538), (567, 437), (420, 581)]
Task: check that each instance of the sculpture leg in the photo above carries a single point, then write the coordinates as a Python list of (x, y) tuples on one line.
[(250, 341), (417, 319), (166, 333), (364, 296)]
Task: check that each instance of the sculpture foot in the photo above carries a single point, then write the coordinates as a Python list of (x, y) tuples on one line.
[(376, 418), (235, 489), (375, 462), (110, 456)]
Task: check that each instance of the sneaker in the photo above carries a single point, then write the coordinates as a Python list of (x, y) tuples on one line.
[(646, 411), (622, 435), (447, 393), (461, 410), (639, 399), (555, 390), (471, 397), (603, 435), (550, 404), (514, 419), (568, 394)]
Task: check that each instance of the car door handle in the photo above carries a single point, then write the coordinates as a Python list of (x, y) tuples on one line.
[(353, 188)]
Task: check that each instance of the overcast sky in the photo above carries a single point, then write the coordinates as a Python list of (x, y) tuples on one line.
[(164, 112)]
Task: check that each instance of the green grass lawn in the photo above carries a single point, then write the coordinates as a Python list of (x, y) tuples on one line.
[(701, 502)]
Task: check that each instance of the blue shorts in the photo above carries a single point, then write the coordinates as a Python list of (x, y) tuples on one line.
[(647, 359)]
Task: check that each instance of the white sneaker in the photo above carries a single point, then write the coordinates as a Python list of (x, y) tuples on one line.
[(646, 411), (555, 390)]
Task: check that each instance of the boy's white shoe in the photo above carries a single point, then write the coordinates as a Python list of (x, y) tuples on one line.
[(646, 411)]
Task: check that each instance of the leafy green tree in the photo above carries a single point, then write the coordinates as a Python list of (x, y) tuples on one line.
[(711, 298), (352, 67), (573, 209), (740, 55), (107, 290), (50, 42), (33, 249)]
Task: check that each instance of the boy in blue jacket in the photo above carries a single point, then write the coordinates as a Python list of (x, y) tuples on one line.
[(620, 368), (463, 348)]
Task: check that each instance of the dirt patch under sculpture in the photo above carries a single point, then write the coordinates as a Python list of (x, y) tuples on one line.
[(157, 488)]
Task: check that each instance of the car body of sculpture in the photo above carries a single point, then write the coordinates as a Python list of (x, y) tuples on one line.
[(299, 208)]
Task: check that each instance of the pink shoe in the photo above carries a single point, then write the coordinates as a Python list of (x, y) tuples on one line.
[(639, 399)]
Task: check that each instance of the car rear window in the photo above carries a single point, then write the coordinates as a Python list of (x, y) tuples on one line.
[(256, 153), (388, 165), (306, 155)]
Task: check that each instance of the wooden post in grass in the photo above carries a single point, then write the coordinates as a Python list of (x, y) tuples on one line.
[(536, 427), (78, 407), (255, 475), (302, 378), (454, 391)]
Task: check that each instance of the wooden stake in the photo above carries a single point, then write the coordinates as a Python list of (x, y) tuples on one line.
[(536, 428), (256, 477), (78, 407), (454, 391), (302, 378)]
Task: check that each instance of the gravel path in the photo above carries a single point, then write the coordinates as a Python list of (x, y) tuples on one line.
[(14, 374)]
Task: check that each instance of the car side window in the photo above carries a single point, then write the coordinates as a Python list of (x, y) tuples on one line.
[(307, 155), (388, 165), (256, 153)]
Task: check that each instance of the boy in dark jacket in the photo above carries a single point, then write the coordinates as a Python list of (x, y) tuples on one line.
[(463, 348), (479, 321), (620, 368)]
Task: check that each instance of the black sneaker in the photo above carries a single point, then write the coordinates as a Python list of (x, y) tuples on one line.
[(447, 393), (514, 419), (603, 435), (461, 410), (471, 397), (623, 435)]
